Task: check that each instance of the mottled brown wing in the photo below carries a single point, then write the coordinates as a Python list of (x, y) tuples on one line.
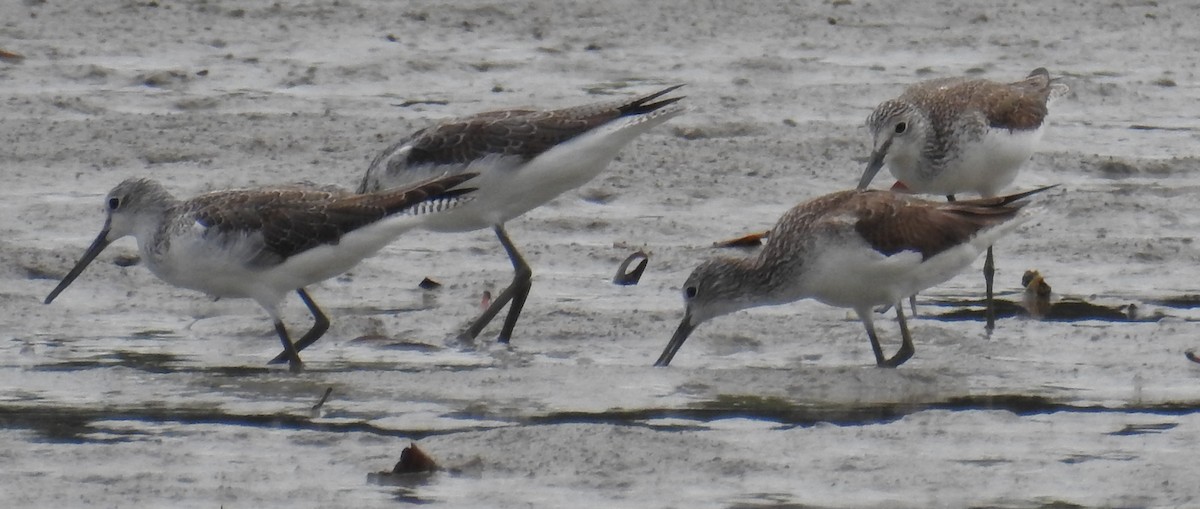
[(400, 199), (522, 133), (511, 136), (1020, 105), (294, 220), (892, 223), (461, 141)]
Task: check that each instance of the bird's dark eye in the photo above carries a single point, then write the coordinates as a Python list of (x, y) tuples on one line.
[(689, 292), (113, 203), (901, 127)]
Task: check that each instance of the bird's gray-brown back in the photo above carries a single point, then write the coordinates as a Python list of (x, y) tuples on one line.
[(1020, 105), (509, 137), (294, 219), (887, 221)]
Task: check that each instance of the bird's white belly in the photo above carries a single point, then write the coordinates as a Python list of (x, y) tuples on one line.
[(860, 277), (195, 264), (986, 166), (506, 192), (224, 267)]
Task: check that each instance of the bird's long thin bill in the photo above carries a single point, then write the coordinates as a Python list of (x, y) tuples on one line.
[(681, 335), (874, 164), (98, 245)]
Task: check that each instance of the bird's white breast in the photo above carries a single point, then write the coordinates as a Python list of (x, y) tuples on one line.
[(985, 166)]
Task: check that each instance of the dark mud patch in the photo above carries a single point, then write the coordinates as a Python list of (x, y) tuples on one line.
[(161, 363), (1186, 301), (1144, 429), (141, 361), (791, 413), (770, 501), (78, 425), (1062, 311)]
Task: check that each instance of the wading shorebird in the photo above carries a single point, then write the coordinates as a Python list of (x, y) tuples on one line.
[(524, 158), (953, 135), (856, 249), (263, 243)]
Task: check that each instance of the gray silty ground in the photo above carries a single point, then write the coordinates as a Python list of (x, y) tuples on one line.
[(128, 392)]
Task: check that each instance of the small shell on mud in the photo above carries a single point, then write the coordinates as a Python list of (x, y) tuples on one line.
[(626, 277)]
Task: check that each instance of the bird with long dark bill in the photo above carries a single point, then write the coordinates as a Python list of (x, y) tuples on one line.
[(951, 136), (525, 158), (853, 249), (263, 243)]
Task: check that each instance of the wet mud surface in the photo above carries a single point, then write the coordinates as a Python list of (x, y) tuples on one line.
[(128, 392)]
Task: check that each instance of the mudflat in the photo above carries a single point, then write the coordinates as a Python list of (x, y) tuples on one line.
[(129, 392)]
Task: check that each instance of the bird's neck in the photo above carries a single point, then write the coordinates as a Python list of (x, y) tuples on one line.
[(152, 230), (753, 283)]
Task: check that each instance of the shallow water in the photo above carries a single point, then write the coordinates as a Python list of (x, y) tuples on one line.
[(128, 392)]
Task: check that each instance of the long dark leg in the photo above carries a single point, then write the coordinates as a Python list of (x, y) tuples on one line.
[(320, 325), (516, 292), (906, 347), (912, 299), (869, 323), (320, 322), (989, 274), (294, 362)]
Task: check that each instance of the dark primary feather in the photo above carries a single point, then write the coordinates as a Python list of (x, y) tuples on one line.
[(520, 133), (293, 220)]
